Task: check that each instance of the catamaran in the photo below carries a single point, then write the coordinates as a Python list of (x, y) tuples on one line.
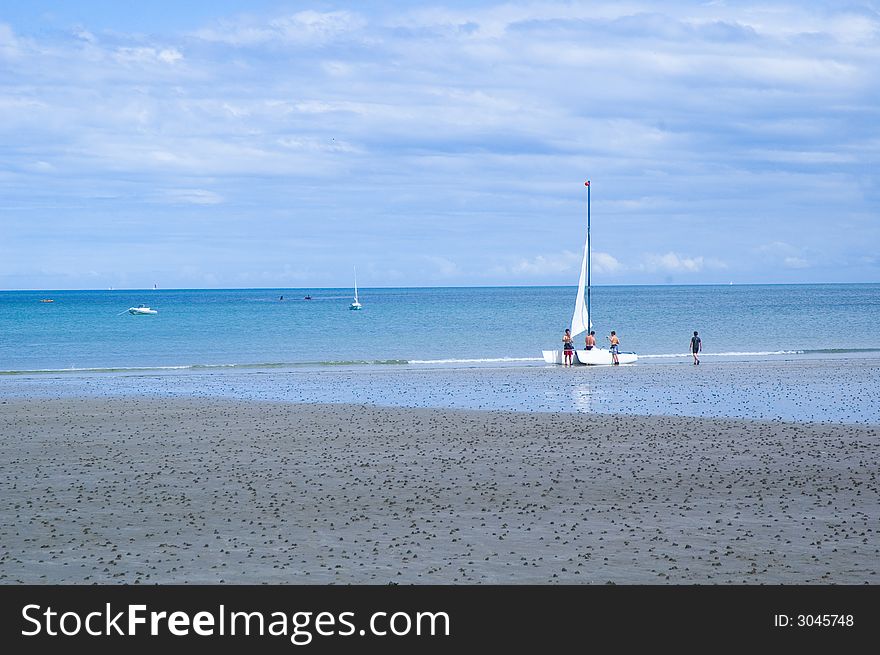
[(580, 320), (355, 304)]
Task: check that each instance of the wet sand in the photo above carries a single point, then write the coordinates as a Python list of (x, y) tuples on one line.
[(126, 490), (833, 390)]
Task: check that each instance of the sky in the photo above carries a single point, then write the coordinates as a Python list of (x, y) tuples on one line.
[(282, 144)]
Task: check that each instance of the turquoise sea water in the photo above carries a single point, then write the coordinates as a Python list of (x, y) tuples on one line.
[(423, 327)]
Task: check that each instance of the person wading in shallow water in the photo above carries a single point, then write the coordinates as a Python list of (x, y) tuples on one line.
[(615, 345), (696, 347), (567, 348)]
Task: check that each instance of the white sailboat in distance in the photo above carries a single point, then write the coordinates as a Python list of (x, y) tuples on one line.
[(356, 304), (580, 320)]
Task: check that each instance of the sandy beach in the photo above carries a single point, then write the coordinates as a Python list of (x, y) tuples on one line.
[(152, 490)]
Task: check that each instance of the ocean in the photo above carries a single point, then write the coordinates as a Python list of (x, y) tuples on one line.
[(777, 352), (496, 326)]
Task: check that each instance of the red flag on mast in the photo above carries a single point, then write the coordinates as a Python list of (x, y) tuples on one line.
[(587, 183)]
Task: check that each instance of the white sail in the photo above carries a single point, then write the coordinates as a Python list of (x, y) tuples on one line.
[(580, 320), (356, 304)]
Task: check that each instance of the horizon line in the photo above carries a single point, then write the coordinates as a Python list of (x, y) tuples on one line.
[(459, 286)]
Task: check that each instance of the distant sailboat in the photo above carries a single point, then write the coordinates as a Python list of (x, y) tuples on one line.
[(356, 304), (580, 320)]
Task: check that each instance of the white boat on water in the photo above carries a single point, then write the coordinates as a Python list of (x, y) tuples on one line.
[(141, 309), (580, 320), (356, 304)]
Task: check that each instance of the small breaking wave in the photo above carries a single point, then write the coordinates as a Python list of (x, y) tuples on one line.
[(759, 353), (198, 367), (405, 362), (486, 360), (841, 351)]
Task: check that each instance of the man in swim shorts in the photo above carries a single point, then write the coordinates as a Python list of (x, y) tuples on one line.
[(696, 347), (615, 344), (590, 341)]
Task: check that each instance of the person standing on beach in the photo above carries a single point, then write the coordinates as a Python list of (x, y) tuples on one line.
[(590, 341), (567, 348), (696, 347), (615, 343)]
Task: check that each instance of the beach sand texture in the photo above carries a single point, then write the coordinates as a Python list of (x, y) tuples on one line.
[(123, 490)]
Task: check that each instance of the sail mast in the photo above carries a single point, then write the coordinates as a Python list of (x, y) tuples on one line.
[(580, 320), (589, 267)]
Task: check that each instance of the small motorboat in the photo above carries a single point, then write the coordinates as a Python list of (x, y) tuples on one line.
[(141, 309), (46, 300)]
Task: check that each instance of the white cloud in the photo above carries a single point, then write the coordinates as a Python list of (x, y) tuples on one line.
[(854, 28), (795, 262), (147, 55), (9, 44), (169, 55), (194, 196), (560, 266), (443, 267), (478, 123), (303, 28), (602, 262), (84, 35), (799, 157), (40, 167), (674, 263), (315, 144), (780, 252), (542, 265)]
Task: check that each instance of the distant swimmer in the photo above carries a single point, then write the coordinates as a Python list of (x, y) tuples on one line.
[(567, 348), (590, 341), (615, 345), (307, 298), (696, 347)]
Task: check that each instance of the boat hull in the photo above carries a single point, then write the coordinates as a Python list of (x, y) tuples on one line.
[(593, 357)]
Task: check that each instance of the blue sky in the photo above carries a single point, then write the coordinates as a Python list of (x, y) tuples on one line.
[(278, 144)]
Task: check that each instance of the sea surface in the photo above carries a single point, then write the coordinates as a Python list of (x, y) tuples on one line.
[(434, 327)]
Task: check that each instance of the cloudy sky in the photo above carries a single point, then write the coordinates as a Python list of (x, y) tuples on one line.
[(278, 144)]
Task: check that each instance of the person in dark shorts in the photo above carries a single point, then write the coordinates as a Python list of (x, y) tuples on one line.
[(567, 348), (590, 341), (696, 347)]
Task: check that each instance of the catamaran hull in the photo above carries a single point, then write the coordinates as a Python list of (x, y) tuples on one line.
[(592, 357)]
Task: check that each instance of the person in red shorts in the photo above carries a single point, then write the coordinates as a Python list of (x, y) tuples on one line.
[(567, 348)]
